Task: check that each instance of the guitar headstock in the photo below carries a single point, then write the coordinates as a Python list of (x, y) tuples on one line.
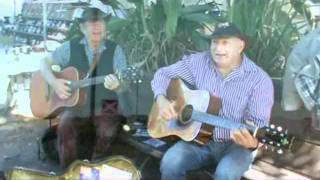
[(275, 138), (131, 74)]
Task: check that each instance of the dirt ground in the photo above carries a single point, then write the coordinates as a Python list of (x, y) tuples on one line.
[(19, 142), (19, 147)]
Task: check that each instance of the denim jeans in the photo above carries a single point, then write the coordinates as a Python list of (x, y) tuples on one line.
[(229, 159)]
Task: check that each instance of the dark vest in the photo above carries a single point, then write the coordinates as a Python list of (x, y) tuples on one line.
[(96, 94)]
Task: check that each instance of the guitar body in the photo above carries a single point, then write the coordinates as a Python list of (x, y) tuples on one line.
[(83, 170), (45, 103), (182, 95)]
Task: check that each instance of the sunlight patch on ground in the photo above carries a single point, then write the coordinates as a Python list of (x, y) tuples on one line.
[(3, 120)]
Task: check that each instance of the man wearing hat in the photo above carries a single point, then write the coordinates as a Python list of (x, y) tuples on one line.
[(93, 55), (246, 94)]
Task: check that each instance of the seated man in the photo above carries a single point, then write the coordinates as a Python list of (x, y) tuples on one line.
[(301, 79), (93, 55), (246, 94)]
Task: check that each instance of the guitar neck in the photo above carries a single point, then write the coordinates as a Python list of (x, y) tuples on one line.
[(130, 74), (87, 82), (218, 121)]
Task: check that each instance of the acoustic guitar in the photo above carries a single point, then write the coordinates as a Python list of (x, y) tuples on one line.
[(196, 119), (114, 167), (45, 103)]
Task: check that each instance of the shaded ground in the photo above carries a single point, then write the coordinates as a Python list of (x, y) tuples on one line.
[(19, 147), (19, 143)]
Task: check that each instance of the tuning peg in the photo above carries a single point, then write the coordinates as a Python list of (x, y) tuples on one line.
[(274, 132), (271, 148), (139, 81), (263, 141), (278, 145), (52, 173), (281, 134), (279, 128), (272, 126), (280, 151), (271, 142)]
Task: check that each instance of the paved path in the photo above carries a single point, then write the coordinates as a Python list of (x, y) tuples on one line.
[(19, 145)]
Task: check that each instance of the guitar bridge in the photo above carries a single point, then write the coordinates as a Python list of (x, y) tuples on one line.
[(205, 132)]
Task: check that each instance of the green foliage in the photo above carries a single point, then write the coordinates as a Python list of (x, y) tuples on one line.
[(74, 31), (271, 29), (301, 8), (157, 35)]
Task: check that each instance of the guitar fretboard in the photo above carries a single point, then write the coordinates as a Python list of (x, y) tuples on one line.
[(218, 121), (87, 82)]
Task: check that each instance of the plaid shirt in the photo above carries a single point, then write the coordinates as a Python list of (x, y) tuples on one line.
[(307, 83), (308, 89)]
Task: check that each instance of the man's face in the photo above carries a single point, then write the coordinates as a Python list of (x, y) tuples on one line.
[(94, 31), (226, 51)]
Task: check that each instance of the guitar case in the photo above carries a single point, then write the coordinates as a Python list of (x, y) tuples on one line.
[(114, 167)]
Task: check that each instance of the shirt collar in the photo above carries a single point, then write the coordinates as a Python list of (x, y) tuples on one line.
[(101, 48)]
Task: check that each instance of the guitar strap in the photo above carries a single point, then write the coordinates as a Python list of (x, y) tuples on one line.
[(93, 65), (92, 71)]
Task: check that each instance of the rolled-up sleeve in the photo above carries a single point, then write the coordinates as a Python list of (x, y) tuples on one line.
[(182, 69), (61, 56), (260, 102), (120, 60), (120, 65)]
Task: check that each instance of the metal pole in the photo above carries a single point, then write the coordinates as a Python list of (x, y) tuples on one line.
[(14, 8), (44, 19)]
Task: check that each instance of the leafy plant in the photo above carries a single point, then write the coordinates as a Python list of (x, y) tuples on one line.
[(157, 35), (272, 29)]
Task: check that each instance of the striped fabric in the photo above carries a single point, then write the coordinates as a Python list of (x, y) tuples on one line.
[(246, 93)]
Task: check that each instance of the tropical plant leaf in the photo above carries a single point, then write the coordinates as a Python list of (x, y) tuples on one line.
[(171, 9), (196, 9), (301, 7), (157, 16), (136, 1), (200, 42), (200, 18), (116, 25)]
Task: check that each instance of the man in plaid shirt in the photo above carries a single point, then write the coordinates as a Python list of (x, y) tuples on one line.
[(308, 85)]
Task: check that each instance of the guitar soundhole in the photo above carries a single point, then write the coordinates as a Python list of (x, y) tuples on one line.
[(109, 107), (185, 117)]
